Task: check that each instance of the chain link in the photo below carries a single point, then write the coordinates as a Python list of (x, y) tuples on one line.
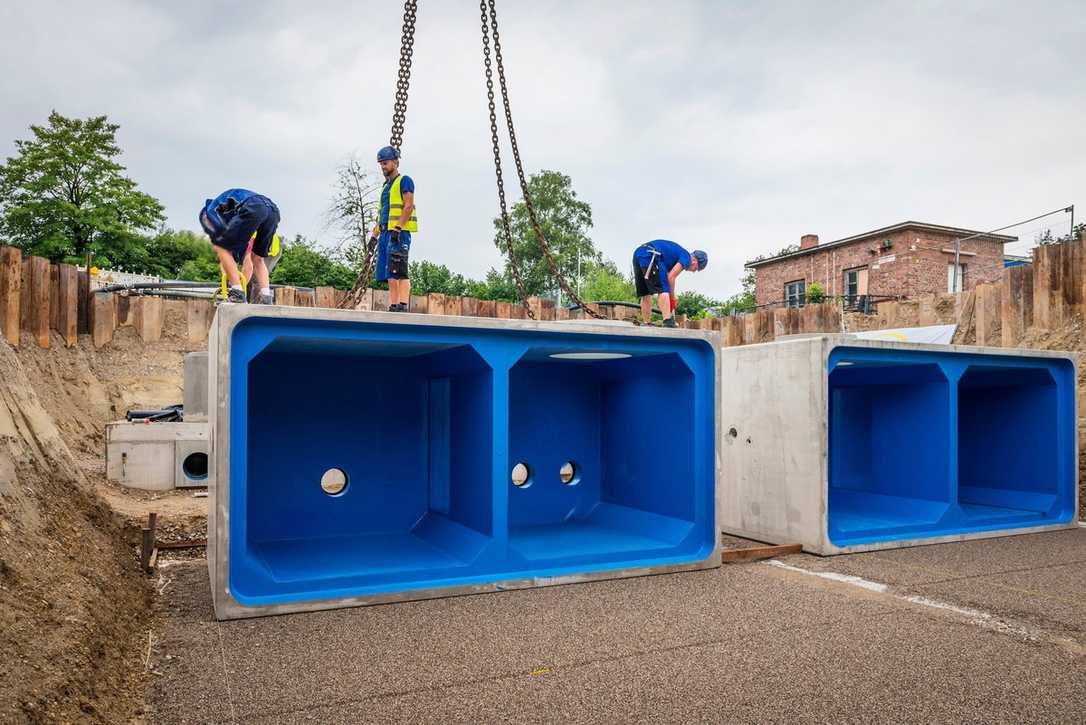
[(403, 80), (508, 250), (544, 247)]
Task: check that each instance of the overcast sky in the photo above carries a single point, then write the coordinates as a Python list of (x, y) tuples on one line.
[(735, 127)]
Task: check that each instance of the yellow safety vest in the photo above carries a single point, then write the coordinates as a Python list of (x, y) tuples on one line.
[(273, 251), (395, 206)]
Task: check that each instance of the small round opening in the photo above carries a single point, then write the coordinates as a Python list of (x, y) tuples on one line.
[(334, 481), (568, 473), (195, 466), (733, 432), (590, 355), (521, 476)]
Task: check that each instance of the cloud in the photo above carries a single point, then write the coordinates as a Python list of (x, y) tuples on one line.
[(732, 127)]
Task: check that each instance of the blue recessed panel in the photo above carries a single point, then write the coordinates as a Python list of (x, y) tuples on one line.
[(929, 444), (426, 423)]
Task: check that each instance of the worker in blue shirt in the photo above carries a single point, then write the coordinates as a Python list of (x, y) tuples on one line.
[(656, 266), (232, 219), (392, 235)]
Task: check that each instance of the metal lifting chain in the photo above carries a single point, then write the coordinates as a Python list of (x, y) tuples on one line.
[(395, 139), (403, 81), (509, 251), (547, 254)]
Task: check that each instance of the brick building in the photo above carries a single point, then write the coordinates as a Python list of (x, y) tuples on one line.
[(907, 260)]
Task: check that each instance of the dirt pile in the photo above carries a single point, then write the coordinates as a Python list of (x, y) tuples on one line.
[(72, 602), (74, 607)]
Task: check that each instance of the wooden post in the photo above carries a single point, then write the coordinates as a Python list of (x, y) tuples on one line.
[(341, 298), (325, 297), (1042, 285), (420, 304), (11, 285), (535, 304), (435, 303), (988, 312), (304, 298), (68, 304), (503, 310), (887, 314), (780, 321), (733, 331), (561, 313), (25, 292), (454, 305), (54, 297), (198, 316), (285, 296), (365, 300), (380, 300), (147, 318), (84, 327), (469, 307), (1016, 301), (39, 272), (103, 318)]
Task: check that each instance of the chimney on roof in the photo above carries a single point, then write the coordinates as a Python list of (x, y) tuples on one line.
[(808, 240)]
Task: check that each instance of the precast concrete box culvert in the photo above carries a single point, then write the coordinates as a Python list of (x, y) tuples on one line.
[(367, 457), (848, 445)]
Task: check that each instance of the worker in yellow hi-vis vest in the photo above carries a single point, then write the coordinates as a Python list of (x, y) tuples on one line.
[(392, 234)]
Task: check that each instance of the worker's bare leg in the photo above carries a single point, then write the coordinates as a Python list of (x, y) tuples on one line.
[(229, 266), (260, 271), (646, 309), (664, 300), (247, 267)]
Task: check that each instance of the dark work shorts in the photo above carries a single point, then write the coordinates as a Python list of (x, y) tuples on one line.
[(654, 285), (258, 214)]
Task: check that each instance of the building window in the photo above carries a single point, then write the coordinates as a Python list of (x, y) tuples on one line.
[(795, 293), (950, 277), (855, 285)]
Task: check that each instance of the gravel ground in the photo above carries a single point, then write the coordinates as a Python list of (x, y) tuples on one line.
[(984, 631)]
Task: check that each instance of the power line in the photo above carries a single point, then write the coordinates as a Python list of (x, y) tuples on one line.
[(958, 242)]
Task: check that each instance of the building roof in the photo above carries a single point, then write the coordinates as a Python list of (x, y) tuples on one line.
[(939, 228)]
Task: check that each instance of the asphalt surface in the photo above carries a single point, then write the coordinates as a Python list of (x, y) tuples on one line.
[(985, 631)]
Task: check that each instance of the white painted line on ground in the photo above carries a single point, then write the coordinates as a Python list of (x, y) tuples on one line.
[(976, 617)]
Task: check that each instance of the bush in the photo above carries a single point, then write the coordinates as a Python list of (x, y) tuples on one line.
[(815, 293)]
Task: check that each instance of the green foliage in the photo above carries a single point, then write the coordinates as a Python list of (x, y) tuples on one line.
[(605, 283), (695, 305), (815, 293), (495, 286), (304, 264), (428, 277), (63, 194), (564, 220)]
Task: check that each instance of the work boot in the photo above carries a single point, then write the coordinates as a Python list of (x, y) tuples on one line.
[(235, 295), (267, 298), (398, 307), (670, 322)]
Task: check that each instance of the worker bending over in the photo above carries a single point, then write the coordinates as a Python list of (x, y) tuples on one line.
[(656, 266), (392, 235), (230, 220)]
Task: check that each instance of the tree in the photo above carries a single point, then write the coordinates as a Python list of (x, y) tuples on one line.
[(495, 286), (604, 283), (353, 212), (428, 277), (303, 264), (564, 220), (64, 194)]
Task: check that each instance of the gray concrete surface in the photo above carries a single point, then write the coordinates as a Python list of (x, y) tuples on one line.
[(743, 643)]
